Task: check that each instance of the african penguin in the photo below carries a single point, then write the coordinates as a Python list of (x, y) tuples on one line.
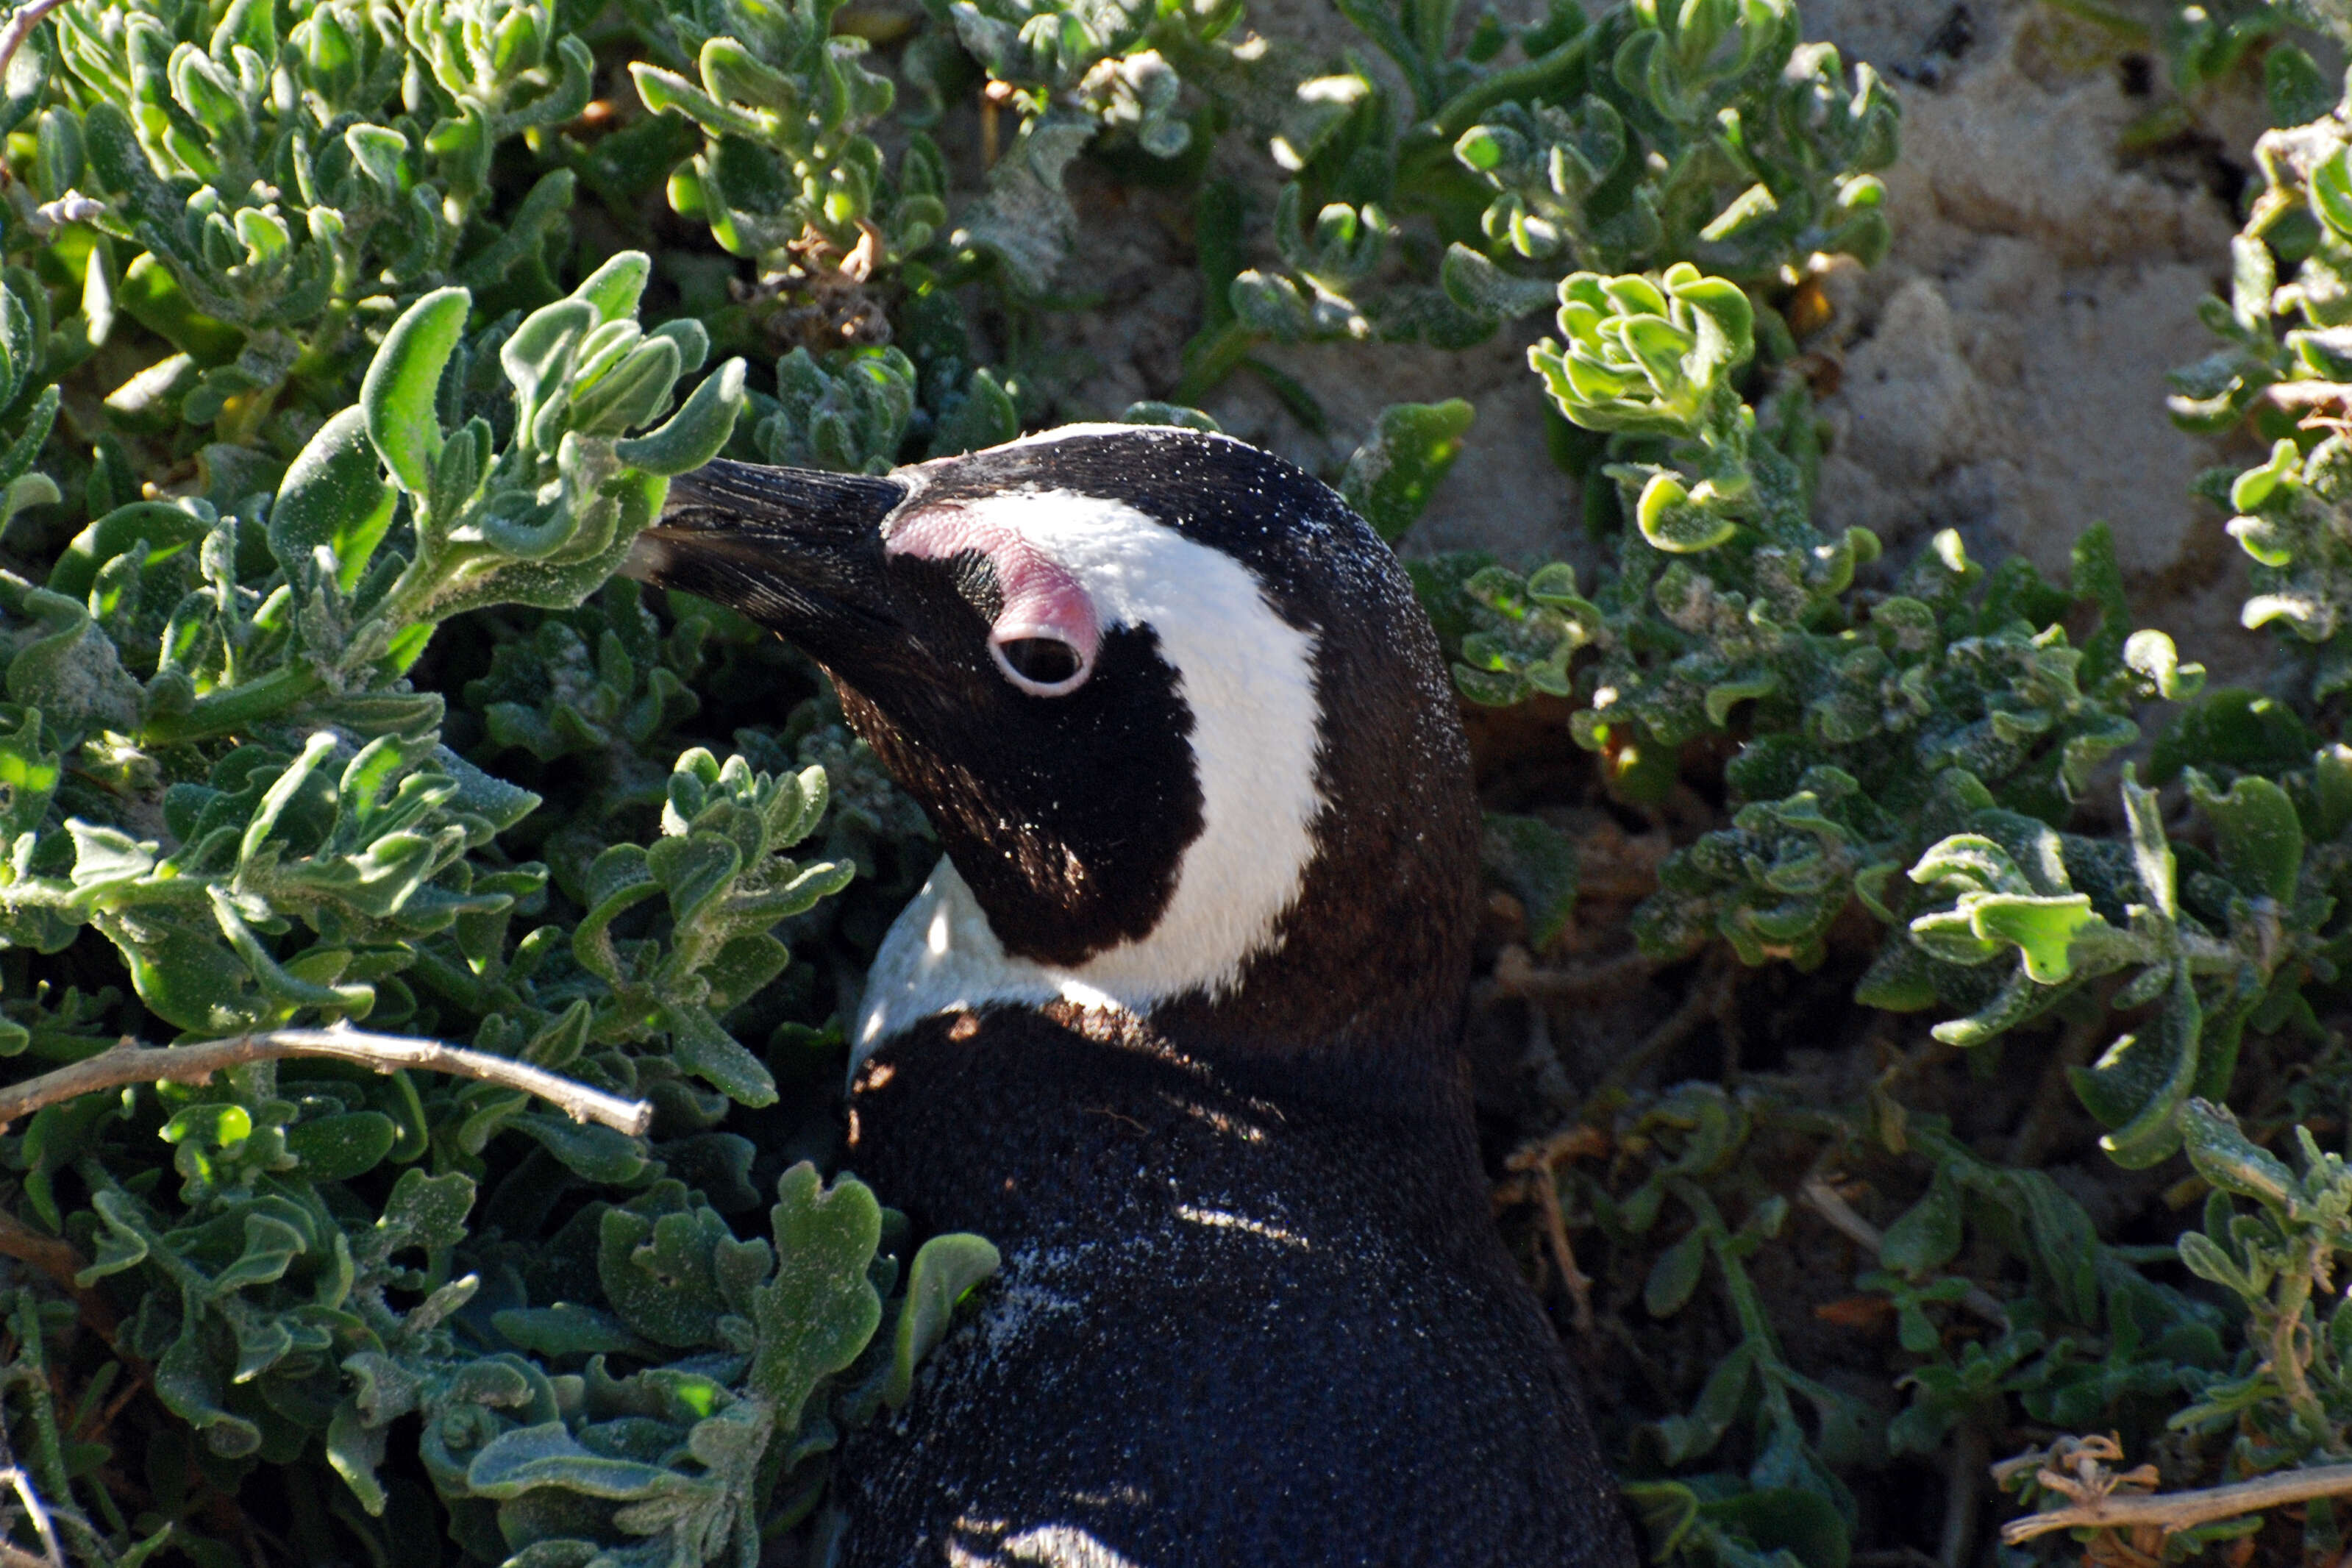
[(1175, 1022)]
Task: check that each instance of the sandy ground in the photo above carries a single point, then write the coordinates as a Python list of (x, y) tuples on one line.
[(2002, 372)]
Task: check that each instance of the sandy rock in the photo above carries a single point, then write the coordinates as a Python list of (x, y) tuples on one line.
[(2021, 400), (1504, 493), (2002, 372)]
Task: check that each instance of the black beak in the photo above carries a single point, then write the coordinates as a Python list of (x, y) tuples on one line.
[(797, 551)]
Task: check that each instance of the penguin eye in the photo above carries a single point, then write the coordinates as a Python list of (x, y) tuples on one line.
[(1040, 666)]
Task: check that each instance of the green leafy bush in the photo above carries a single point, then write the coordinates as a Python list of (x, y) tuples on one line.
[(344, 347)]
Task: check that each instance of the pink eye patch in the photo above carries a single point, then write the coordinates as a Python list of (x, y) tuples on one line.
[(1045, 637)]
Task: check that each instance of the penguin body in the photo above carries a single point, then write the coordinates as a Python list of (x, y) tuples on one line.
[(1175, 1022)]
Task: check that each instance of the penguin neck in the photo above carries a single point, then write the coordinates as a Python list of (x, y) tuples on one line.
[(1361, 978)]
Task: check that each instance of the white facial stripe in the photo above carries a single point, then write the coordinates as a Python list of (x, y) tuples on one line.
[(1248, 677)]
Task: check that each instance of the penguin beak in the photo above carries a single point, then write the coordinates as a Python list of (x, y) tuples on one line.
[(797, 551)]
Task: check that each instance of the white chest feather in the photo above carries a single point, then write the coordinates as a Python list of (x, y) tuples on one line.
[(1248, 676)]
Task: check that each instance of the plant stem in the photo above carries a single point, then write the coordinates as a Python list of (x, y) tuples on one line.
[(1546, 1188), (1818, 1196), (2180, 1510), (1963, 1478), (2129, 30), (2053, 1097), (238, 708), (1218, 358), (130, 1063), (48, 1462), (1525, 80), (1375, 22), (2294, 1294), (1697, 1007)]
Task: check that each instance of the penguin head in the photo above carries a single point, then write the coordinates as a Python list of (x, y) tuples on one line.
[(1180, 724)]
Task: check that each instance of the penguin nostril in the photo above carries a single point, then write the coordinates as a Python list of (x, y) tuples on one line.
[(1045, 665)]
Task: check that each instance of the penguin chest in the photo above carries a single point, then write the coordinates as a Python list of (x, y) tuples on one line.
[(1222, 1332)]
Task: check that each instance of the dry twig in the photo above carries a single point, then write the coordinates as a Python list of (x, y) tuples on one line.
[(1824, 1201), (21, 23), (22, 1484), (1537, 1160), (1516, 974), (55, 1257), (14, 1476), (1698, 1006), (2169, 1512), (129, 1062)]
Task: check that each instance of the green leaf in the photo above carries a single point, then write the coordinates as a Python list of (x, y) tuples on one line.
[(2201, 1256), (1391, 477), (2297, 89), (615, 288), (180, 969), (28, 777), (188, 1381), (695, 433), (2158, 1067), (423, 1211), (1673, 521), (337, 1147), (657, 1273), (695, 870), (2230, 1160), (165, 529), (2043, 929), (399, 395), (333, 494), (821, 1309), (987, 416), (591, 1152), (703, 1047), (1927, 1236), (2234, 727), (2256, 833), (1676, 1275), (567, 1329), (1539, 865), (547, 1456), (945, 1268), (2331, 191), (1796, 1521)]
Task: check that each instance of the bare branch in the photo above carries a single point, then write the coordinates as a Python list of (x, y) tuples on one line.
[(1963, 1480), (1697, 1007), (1824, 1201), (1563, 1255), (56, 1256), (21, 23), (1539, 1161), (2180, 1510), (128, 1062), (1516, 974), (15, 1476)]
